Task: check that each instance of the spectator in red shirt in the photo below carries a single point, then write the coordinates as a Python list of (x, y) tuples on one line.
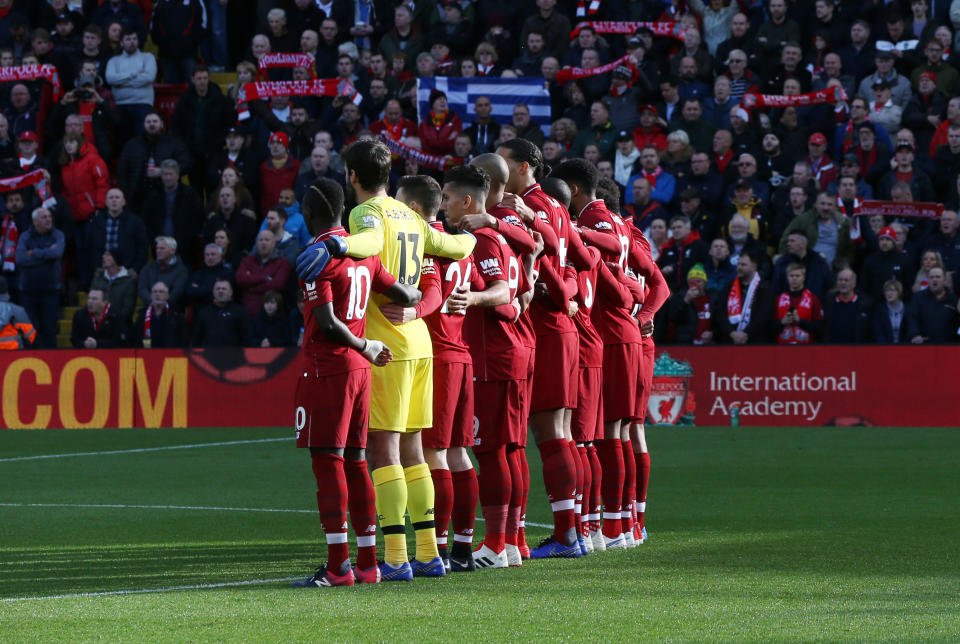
[(277, 173), (439, 130), (798, 311)]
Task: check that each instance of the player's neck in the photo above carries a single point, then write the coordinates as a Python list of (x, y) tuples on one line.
[(524, 183), (494, 198), (365, 195)]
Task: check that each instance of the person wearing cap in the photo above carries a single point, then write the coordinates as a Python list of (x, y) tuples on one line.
[(624, 158), (234, 154), (439, 129), (905, 170), (624, 96), (690, 310), (703, 220), (883, 111), (649, 132), (824, 170), (900, 86), (923, 113), (745, 203), (27, 158), (773, 166), (946, 76), (886, 263), (277, 172)]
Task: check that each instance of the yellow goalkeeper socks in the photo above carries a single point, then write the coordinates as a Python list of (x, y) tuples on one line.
[(391, 495), (420, 507)]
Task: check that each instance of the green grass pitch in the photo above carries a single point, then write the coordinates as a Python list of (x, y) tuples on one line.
[(755, 535)]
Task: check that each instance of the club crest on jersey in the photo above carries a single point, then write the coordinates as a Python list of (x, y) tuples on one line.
[(671, 401)]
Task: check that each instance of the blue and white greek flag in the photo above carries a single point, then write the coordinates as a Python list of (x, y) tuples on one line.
[(504, 94)]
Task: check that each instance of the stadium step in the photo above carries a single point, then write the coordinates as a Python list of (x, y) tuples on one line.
[(66, 326), (81, 298), (63, 341)]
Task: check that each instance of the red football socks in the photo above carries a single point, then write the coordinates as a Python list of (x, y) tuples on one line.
[(610, 454), (583, 492), (525, 488), (495, 488), (643, 481), (629, 487), (332, 504), (595, 485), (466, 493), (516, 496), (578, 483), (442, 505), (363, 512), (559, 478)]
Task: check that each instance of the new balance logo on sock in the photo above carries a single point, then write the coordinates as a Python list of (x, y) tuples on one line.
[(372, 528)]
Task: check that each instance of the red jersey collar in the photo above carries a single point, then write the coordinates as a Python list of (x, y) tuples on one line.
[(535, 186), (339, 231), (584, 209)]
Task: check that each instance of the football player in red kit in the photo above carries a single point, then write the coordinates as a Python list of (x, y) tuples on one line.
[(336, 357), (444, 444), (523, 242), (556, 377), (499, 361)]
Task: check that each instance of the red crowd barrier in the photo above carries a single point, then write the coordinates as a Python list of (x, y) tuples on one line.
[(765, 386)]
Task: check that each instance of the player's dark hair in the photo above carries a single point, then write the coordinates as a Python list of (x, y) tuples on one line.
[(322, 205), (370, 160), (556, 188), (469, 179), (423, 189), (522, 150), (580, 173), (609, 191)]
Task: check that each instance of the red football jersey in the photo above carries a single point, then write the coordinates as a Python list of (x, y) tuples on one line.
[(524, 325), (446, 330), (347, 283), (614, 323), (591, 344), (547, 320), (498, 353)]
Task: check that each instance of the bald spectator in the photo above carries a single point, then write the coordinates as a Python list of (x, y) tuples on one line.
[(115, 227), (264, 270), (223, 323), (932, 313), (159, 326), (847, 312)]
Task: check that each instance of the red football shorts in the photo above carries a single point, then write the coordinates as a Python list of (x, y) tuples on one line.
[(645, 381), (498, 415), (621, 367), (526, 396), (452, 406), (586, 424), (556, 372), (333, 411)]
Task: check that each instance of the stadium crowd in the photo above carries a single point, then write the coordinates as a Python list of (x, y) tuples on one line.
[(742, 138)]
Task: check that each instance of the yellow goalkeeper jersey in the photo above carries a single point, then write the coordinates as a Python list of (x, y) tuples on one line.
[(387, 227)]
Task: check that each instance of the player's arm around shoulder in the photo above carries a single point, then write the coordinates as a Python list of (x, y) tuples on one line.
[(457, 246), (367, 227)]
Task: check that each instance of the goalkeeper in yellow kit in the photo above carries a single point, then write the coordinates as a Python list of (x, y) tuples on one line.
[(401, 394)]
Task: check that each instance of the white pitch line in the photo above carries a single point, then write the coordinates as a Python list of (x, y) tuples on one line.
[(209, 508), (142, 449), (166, 589)]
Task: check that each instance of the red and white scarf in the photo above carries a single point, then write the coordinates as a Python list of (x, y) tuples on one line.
[(792, 333), (628, 27), (651, 177), (22, 181), (738, 307), (316, 87), (924, 209), (422, 158), (568, 74), (483, 70), (282, 60), (148, 318), (583, 10), (829, 95), (98, 322), (33, 72), (8, 242)]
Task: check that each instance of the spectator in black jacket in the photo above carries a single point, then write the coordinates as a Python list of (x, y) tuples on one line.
[(98, 326), (819, 276), (128, 14), (691, 310), (237, 156), (39, 255), (271, 327), (887, 263), (890, 318), (223, 323), (177, 27), (932, 313), (115, 226), (202, 117), (139, 167), (159, 326), (746, 312), (847, 313), (200, 286), (681, 252), (66, 119), (169, 269), (174, 209)]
